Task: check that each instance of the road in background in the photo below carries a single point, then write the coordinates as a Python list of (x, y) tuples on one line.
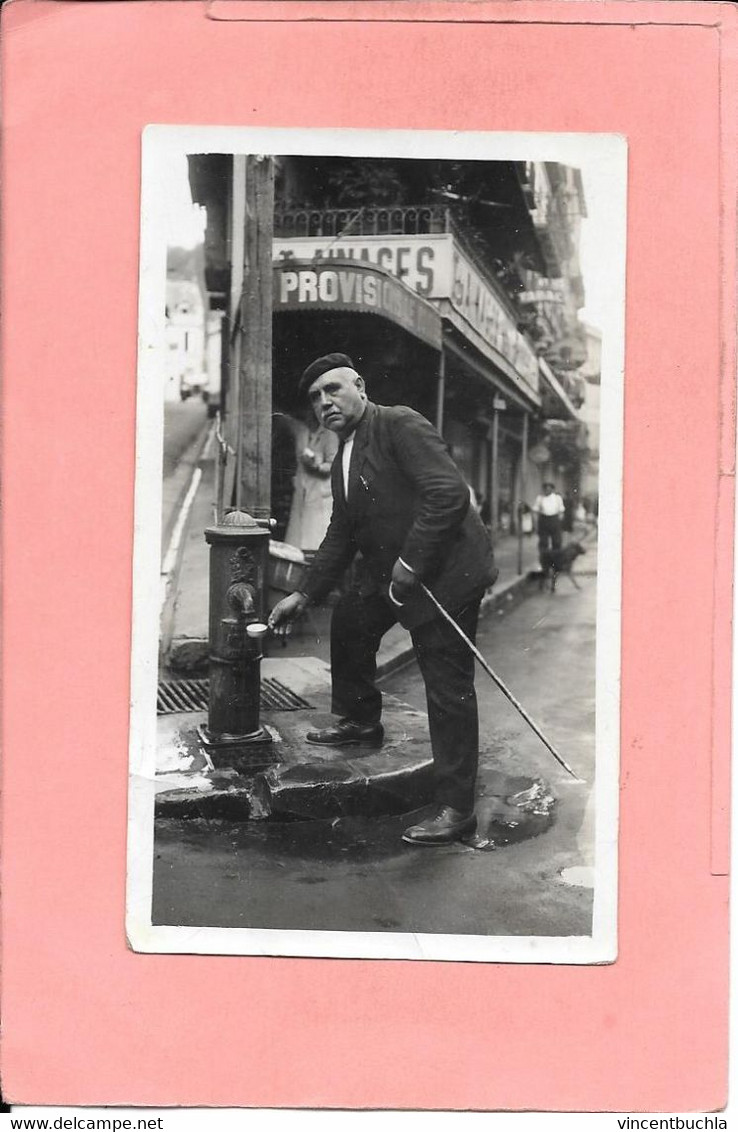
[(183, 421), (185, 426)]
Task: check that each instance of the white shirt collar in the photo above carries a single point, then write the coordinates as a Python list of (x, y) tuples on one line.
[(348, 445)]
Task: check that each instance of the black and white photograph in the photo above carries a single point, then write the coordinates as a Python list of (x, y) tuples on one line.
[(376, 630)]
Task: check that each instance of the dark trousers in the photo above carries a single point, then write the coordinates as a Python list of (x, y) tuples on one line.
[(549, 532), (447, 666)]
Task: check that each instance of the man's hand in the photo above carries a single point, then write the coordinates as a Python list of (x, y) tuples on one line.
[(285, 612), (403, 581)]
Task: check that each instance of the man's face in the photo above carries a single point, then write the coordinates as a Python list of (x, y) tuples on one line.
[(548, 489), (338, 399)]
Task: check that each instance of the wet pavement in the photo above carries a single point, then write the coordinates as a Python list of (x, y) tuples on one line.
[(356, 874)]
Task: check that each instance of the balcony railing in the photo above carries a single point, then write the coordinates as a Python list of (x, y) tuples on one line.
[(334, 223)]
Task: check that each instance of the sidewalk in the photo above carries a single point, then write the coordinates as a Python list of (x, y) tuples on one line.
[(185, 612), (184, 618)]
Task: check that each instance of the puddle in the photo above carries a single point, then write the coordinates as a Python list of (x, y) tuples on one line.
[(512, 810)]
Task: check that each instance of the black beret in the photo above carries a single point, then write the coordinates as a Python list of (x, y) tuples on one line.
[(320, 366)]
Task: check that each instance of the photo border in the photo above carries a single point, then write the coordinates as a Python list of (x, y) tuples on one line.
[(162, 144)]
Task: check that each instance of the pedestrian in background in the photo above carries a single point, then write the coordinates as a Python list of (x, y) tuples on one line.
[(526, 519), (549, 510), (312, 499), (284, 466)]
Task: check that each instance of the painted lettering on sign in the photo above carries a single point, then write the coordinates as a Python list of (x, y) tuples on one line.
[(476, 301), (360, 289), (543, 295), (412, 259), (325, 286)]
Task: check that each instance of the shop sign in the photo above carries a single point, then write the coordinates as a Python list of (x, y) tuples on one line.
[(354, 287), (475, 300), (542, 295), (434, 266), (415, 260)]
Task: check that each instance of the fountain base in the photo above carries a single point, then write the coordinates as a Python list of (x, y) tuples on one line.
[(217, 741)]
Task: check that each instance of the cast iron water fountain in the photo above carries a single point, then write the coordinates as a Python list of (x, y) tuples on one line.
[(239, 547)]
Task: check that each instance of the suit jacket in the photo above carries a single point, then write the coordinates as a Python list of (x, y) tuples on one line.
[(406, 499)]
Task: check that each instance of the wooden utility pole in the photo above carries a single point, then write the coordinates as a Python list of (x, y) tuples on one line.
[(498, 406), (254, 454), (523, 489)]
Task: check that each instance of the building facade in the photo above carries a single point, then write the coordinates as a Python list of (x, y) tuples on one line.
[(591, 375), (185, 339), (454, 287)]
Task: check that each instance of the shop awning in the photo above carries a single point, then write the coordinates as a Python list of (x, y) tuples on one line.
[(347, 285), (564, 405)]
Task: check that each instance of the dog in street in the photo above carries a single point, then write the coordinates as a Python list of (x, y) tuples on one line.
[(555, 562)]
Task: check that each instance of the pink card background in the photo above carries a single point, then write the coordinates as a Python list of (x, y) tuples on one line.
[(85, 1019)]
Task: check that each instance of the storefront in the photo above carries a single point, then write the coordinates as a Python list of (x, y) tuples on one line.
[(487, 419)]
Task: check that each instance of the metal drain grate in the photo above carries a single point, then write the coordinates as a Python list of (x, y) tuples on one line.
[(278, 697), (192, 695)]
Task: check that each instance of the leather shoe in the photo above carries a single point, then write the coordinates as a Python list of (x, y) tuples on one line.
[(345, 733), (442, 827)]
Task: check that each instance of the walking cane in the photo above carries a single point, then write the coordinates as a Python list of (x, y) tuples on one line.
[(500, 684)]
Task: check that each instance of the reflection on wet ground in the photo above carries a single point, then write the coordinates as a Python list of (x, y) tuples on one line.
[(511, 809)]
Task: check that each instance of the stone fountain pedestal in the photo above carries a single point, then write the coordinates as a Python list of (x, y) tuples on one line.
[(291, 778), (295, 780)]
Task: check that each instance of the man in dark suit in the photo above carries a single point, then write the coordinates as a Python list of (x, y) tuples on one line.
[(400, 502)]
